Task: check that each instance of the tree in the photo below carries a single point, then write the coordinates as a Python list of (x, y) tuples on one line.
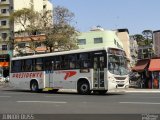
[(29, 23), (148, 36), (61, 36), (139, 38)]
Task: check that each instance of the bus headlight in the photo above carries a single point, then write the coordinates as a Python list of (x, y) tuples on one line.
[(111, 79)]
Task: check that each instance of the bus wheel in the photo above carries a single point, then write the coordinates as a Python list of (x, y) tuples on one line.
[(83, 88), (34, 86)]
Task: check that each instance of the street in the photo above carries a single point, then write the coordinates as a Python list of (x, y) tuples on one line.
[(18, 101)]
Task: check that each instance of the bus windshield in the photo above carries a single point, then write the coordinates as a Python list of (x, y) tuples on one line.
[(117, 64)]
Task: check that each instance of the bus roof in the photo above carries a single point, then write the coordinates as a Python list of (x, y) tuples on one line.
[(62, 53)]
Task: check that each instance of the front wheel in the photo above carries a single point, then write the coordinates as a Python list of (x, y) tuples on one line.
[(84, 88), (34, 86)]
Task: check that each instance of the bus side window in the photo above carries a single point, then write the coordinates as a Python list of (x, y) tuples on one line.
[(85, 59), (57, 64), (64, 62), (28, 65), (48, 63), (16, 66), (102, 62), (72, 61), (38, 64)]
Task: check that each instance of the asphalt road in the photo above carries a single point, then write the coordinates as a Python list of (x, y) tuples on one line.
[(18, 101)]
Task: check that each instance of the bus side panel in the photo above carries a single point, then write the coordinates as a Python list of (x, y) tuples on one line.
[(22, 80), (67, 79)]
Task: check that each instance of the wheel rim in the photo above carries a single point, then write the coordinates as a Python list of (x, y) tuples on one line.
[(34, 87), (84, 88)]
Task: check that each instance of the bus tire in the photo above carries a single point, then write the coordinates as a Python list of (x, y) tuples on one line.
[(83, 88), (34, 86)]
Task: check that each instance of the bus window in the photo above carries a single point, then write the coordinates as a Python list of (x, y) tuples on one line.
[(48, 63), (64, 62), (57, 64), (85, 60), (16, 66), (38, 64), (102, 62), (72, 61), (28, 65)]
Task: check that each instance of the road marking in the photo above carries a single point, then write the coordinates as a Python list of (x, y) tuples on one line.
[(5, 96), (56, 102), (149, 103)]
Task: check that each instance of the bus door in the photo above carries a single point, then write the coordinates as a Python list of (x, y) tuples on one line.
[(49, 74), (98, 71)]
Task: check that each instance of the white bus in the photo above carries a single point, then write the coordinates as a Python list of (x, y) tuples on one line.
[(86, 70)]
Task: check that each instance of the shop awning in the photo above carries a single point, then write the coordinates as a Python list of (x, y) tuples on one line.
[(141, 65), (154, 65)]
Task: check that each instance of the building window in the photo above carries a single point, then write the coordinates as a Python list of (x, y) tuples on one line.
[(81, 41), (11, 7), (98, 40), (4, 36), (38, 44), (3, 0), (3, 23), (44, 6), (21, 45), (4, 47), (3, 11)]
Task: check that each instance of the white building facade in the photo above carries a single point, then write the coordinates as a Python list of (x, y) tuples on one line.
[(7, 29)]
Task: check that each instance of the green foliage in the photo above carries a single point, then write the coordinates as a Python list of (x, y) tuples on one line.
[(142, 40), (60, 34)]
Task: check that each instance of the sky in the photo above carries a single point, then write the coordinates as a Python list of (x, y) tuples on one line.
[(135, 15)]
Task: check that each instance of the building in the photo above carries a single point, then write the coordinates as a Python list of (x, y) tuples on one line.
[(123, 35), (98, 37), (133, 51), (7, 29), (156, 42), (145, 52), (23, 44), (41, 6)]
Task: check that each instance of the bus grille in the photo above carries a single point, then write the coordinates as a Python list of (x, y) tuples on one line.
[(120, 78)]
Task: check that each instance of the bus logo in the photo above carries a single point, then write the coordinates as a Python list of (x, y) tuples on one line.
[(68, 74)]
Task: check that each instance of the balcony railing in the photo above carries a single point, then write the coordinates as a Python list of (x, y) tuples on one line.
[(4, 3), (4, 15), (4, 27), (3, 51)]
